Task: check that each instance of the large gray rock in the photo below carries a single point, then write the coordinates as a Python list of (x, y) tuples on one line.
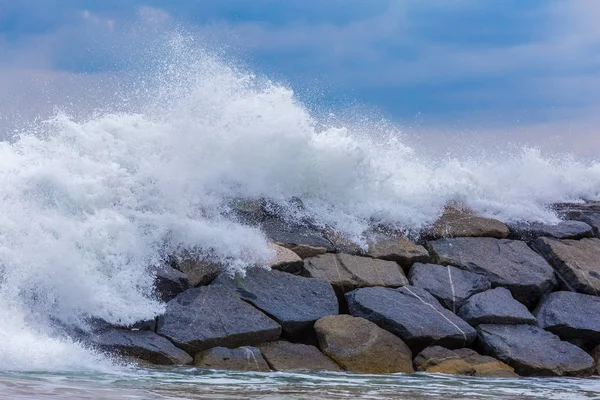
[(563, 230), (590, 218), (460, 223), (495, 306), (298, 233), (507, 263), (397, 249), (211, 316), (358, 345), (245, 358), (169, 282), (532, 351), (295, 302), (586, 212), (144, 345), (570, 315), (577, 262), (450, 285), (346, 272), (412, 314), (286, 356)]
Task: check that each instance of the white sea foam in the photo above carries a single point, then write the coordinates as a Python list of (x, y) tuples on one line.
[(88, 204)]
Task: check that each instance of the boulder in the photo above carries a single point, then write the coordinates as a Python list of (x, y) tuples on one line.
[(397, 249), (459, 223), (358, 345), (295, 302), (563, 230), (198, 270), (286, 356), (532, 351), (596, 357), (211, 316), (507, 263), (570, 315), (245, 358), (590, 218), (285, 259), (346, 272), (298, 233), (463, 361), (143, 345), (169, 282), (450, 285), (413, 315), (495, 306), (304, 250), (577, 262), (588, 212)]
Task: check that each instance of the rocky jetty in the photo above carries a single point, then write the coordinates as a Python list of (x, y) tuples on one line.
[(473, 296)]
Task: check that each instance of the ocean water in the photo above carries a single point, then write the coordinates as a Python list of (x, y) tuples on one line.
[(90, 201)]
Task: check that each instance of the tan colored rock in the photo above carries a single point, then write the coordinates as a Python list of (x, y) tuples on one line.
[(460, 223), (436, 359), (285, 259), (397, 249), (241, 359), (346, 272), (304, 250), (199, 272), (358, 345), (286, 356)]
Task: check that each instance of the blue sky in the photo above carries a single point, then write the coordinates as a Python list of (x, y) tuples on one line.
[(440, 63)]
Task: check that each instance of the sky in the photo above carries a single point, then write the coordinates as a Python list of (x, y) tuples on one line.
[(441, 65)]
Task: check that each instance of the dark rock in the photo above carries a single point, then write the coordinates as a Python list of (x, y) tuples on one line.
[(588, 212), (287, 232), (507, 263), (358, 345), (286, 356), (199, 271), (463, 361), (563, 230), (144, 345), (570, 315), (495, 306), (293, 301), (596, 357), (397, 249), (590, 218), (532, 351), (169, 282), (413, 315), (450, 285), (577, 262), (241, 359), (211, 316), (346, 272), (459, 223)]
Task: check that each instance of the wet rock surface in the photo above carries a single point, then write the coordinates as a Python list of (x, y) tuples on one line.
[(169, 282), (577, 262), (570, 315), (449, 285), (245, 358), (507, 263), (412, 314), (495, 306), (397, 249), (285, 259), (563, 230), (199, 271), (532, 351), (460, 223), (463, 361), (286, 356), (358, 345), (211, 316)]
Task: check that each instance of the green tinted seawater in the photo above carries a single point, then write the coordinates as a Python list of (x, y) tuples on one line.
[(189, 383)]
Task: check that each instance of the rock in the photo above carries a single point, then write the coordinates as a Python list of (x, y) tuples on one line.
[(576, 262), (458, 223), (596, 357), (590, 218), (588, 212), (285, 259), (532, 351), (463, 361), (286, 356), (211, 316), (293, 301), (200, 272), (169, 282), (358, 345), (413, 315), (144, 345), (304, 250), (287, 232), (241, 359), (343, 244), (495, 306), (397, 249), (450, 285), (346, 272), (507, 263), (563, 230), (570, 315)]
